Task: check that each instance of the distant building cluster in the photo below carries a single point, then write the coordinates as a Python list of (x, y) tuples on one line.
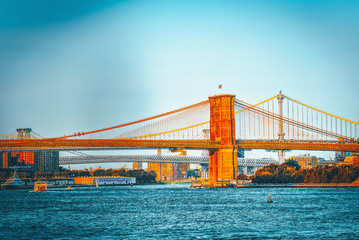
[(36, 161), (169, 171), (194, 173), (305, 161), (353, 159)]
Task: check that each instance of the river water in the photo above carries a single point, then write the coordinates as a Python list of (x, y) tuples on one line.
[(178, 212)]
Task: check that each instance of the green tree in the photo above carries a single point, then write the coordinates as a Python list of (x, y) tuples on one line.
[(323, 177), (84, 174), (242, 177), (292, 163)]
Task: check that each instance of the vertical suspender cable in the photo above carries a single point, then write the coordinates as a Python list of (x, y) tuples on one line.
[(244, 126), (321, 123), (331, 124), (273, 119), (249, 124), (326, 126), (264, 124), (268, 121), (288, 116), (317, 125), (312, 122), (297, 121), (307, 122), (254, 124), (293, 119), (302, 121)]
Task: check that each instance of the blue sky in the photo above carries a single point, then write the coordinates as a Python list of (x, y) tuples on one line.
[(69, 66)]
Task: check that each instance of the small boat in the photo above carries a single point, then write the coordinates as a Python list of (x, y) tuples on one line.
[(13, 183), (196, 184), (40, 186), (269, 198)]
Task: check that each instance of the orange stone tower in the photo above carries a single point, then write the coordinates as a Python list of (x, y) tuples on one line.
[(223, 163)]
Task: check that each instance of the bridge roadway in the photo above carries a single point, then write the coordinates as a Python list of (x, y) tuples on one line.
[(110, 144), (242, 162)]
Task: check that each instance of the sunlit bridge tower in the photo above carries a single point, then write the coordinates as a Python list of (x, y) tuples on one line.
[(23, 132), (281, 153), (223, 162)]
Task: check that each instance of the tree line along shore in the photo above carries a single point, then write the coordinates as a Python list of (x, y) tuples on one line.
[(290, 172)]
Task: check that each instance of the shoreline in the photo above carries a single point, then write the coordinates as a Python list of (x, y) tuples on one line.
[(250, 185), (301, 185), (51, 186)]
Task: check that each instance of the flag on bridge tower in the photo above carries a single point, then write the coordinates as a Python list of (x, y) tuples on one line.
[(220, 86)]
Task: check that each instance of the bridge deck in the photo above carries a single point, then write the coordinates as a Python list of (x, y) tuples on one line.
[(157, 158), (100, 144)]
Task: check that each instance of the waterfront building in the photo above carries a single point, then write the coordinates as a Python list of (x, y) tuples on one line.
[(4, 160), (351, 160), (46, 161), (340, 156), (102, 181), (137, 166), (182, 170), (156, 167), (327, 163), (305, 161), (194, 173), (38, 161), (169, 171)]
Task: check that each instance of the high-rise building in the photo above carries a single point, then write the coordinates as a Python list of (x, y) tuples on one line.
[(38, 161), (156, 167), (182, 170), (46, 161), (305, 161), (137, 165), (4, 160)]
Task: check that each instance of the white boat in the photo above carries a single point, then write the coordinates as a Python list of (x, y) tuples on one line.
[(13, 183)]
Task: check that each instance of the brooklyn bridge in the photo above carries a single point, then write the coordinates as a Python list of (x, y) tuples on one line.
[(221, 125)]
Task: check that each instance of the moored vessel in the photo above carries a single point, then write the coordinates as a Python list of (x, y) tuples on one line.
[(13, 183), (40, 186)]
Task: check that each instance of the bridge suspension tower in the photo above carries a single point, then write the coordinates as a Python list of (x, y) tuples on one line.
[(281, 152), (222, 162)]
